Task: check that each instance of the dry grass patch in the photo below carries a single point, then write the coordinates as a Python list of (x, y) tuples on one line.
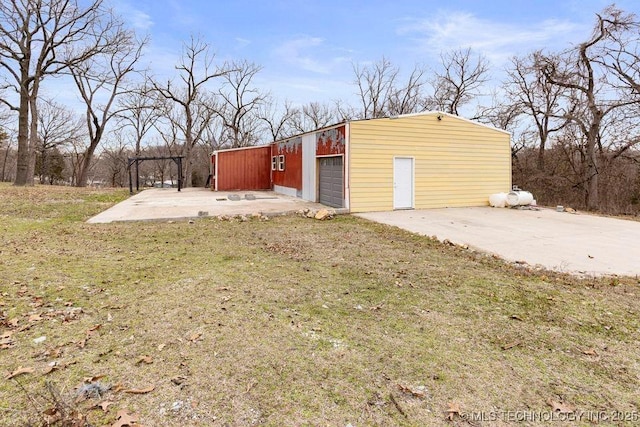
[(293, 322)]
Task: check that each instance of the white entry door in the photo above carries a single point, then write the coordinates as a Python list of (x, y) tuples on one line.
[(402, 183)]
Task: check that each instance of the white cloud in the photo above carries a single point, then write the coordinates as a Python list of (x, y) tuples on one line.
[(241, 42), (138, 19), (302, 90), (299, 52), (182, 14), (496, 40)]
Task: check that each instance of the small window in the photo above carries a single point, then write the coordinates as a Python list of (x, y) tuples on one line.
[(281, 162), (274, 163)]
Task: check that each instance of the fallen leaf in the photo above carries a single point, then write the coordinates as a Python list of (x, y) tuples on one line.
[(178, 380), (194, 337), (81, 343), (51, 416), (117, 388), (140, 390), (7, 341), (35, 317), (161, 346), (145, 359), (104, 405), (20, 371), (511, 345), (453, 409), (94, 328), (561, 407), (125, 419), (13, 322), (54, 352), (516, 317), (409, 390), (25, 328), (109, 317), (92, 379), (52, 368), (589, 352)]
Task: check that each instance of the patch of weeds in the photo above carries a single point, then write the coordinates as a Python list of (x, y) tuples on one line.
[(48, 406)]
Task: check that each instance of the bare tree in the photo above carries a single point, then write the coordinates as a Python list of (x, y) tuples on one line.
[(140, 109), (381, 93), (5, 144), (314, 115), (114, 160), (529, 91), (40, 38), (459, 81), (57, 127), (343, 111), (195, 109), (375, 86), (407, 98), (101, 80), (278, 120), (584, 72), (239, 103)]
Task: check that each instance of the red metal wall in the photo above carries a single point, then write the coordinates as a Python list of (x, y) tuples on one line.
[(247, 169), (292, 175), (330, 142)]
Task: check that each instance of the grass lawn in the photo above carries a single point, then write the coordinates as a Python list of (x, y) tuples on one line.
[(294, 321)]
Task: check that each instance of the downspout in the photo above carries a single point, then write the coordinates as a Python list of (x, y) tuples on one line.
[(215, 176), (347, 166)]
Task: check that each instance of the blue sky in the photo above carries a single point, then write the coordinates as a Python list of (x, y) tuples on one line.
[(306, 47)]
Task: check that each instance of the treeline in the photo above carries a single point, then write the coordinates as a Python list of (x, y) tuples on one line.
[(573, 113)]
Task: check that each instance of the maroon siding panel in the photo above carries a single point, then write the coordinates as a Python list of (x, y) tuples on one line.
[(330, 142), (247, 169), (292, 175)]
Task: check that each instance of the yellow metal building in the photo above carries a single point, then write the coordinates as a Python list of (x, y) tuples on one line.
[(425, 160), (413, 161)]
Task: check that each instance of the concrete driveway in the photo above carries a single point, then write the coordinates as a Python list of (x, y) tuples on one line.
[(573, 243), (168, 203)]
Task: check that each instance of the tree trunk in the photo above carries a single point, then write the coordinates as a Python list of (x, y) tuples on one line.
[(4, 163), (83, 174), (188, 144), (541, 148), (33, 134), (186, 167), (22, 161), (593, 202), (591, 167)]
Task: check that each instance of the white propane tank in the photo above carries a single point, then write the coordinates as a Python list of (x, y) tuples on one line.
[(519, 198), (498, 200)]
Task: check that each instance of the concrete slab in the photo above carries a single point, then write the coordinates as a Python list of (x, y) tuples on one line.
[(168, 203), (573, 243)]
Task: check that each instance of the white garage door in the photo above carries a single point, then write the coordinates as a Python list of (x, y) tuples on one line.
[(331, 181)]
